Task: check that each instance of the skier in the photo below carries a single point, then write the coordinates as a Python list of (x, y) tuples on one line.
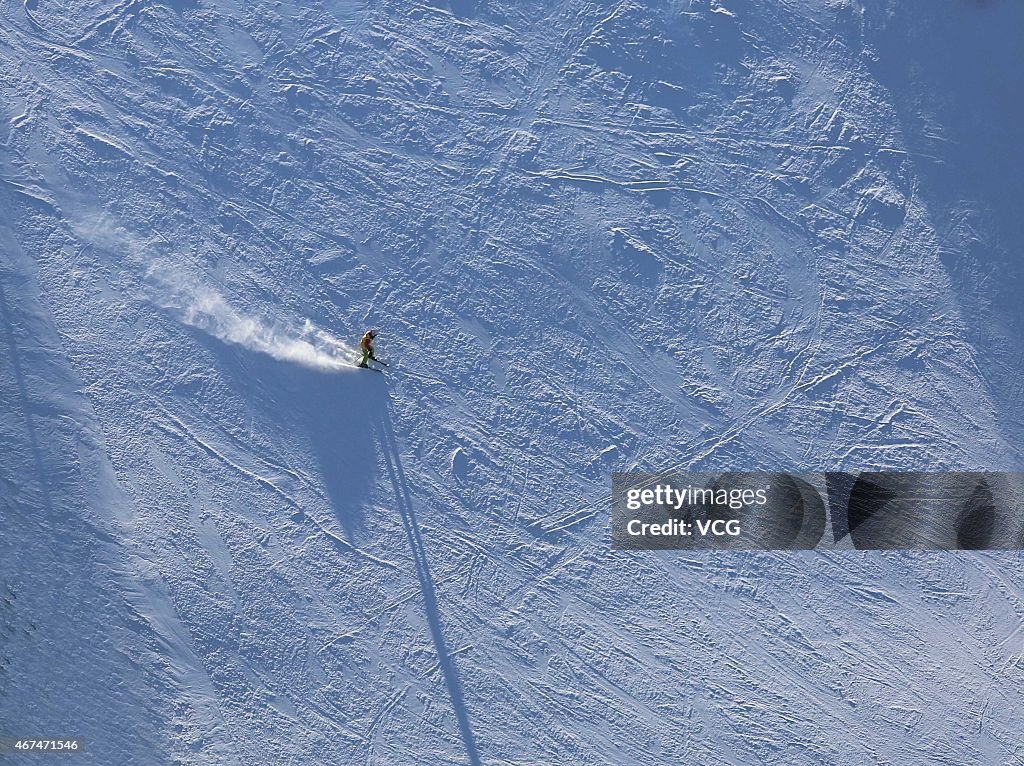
[(366, 344)]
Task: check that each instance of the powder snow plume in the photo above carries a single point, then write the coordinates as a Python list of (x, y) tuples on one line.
[(202, 306)]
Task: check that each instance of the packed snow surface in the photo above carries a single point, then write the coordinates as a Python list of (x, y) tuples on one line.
[(594, 237)]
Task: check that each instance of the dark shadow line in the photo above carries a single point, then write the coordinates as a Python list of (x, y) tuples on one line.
[(405, 508), (30, 426)]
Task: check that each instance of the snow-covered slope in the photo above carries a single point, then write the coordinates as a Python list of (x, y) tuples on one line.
[(712, 234)]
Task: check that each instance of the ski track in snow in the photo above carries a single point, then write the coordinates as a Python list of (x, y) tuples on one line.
[(594, 237)]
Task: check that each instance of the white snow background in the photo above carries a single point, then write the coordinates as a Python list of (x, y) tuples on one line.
[(594, 236)]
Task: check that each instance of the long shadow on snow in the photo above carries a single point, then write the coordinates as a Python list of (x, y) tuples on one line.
[(335, 410), (958, 64), (403, 498), (38, 459)]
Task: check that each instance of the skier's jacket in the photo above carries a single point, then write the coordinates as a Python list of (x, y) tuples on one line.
[(366, 344)]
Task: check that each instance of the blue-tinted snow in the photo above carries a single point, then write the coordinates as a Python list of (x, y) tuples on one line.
[(600, 236)]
